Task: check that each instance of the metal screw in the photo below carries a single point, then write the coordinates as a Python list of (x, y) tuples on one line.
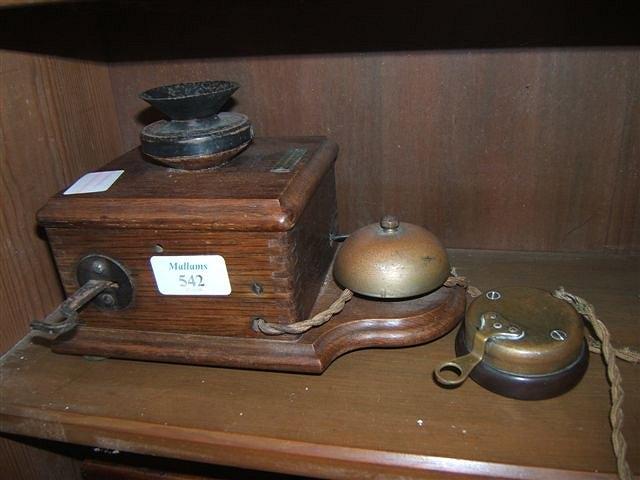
[(559, 335), (493, 295), (513, 329), (157, 248), (492, 316), (497, 325), (107, 299), (98, 266), (257, 288)]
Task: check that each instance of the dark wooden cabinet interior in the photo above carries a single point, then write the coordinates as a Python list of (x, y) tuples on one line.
[(500, 125)]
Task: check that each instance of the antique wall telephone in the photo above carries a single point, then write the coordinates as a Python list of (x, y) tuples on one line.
[(210, 246)]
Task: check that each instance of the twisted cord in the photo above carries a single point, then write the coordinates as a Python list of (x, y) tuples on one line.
[(296, 328), (609, 354), (627, 354), (456, 280), (259, 324)]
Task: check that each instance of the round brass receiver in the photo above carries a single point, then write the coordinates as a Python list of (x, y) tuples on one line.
[(391, 259), (553, 331)]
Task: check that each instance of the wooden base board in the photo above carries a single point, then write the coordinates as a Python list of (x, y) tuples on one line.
[(363, 323)]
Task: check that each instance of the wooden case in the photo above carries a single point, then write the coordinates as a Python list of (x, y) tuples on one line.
[(271, 225)]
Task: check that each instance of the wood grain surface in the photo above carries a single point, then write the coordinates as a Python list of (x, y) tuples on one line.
[(504, 126), (272, 230), (57, 120), (36, 460), (92, 470), (137, 467), (53, 127), (510, 125), (517, 149), (241, 195), (372, 412), (363, 323)]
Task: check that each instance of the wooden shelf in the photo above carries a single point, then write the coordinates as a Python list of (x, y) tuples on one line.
[(372, 412)]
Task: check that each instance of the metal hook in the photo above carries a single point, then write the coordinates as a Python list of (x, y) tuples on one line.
[(65, 317), (492, 326)]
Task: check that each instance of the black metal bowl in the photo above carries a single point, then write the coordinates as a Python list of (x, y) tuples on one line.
[(183, 101)]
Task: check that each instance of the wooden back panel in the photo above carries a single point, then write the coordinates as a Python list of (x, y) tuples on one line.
[(491, 125)]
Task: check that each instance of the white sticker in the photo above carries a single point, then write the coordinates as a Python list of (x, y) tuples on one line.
[(191, 275), (94, 182)]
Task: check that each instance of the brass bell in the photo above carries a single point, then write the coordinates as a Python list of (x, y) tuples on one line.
[(391, 259)]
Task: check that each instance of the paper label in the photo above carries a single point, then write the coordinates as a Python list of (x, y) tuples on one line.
[(94, 182), (191, 275)]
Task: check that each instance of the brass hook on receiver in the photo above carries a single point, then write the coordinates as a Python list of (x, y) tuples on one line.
[(493, 326)]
